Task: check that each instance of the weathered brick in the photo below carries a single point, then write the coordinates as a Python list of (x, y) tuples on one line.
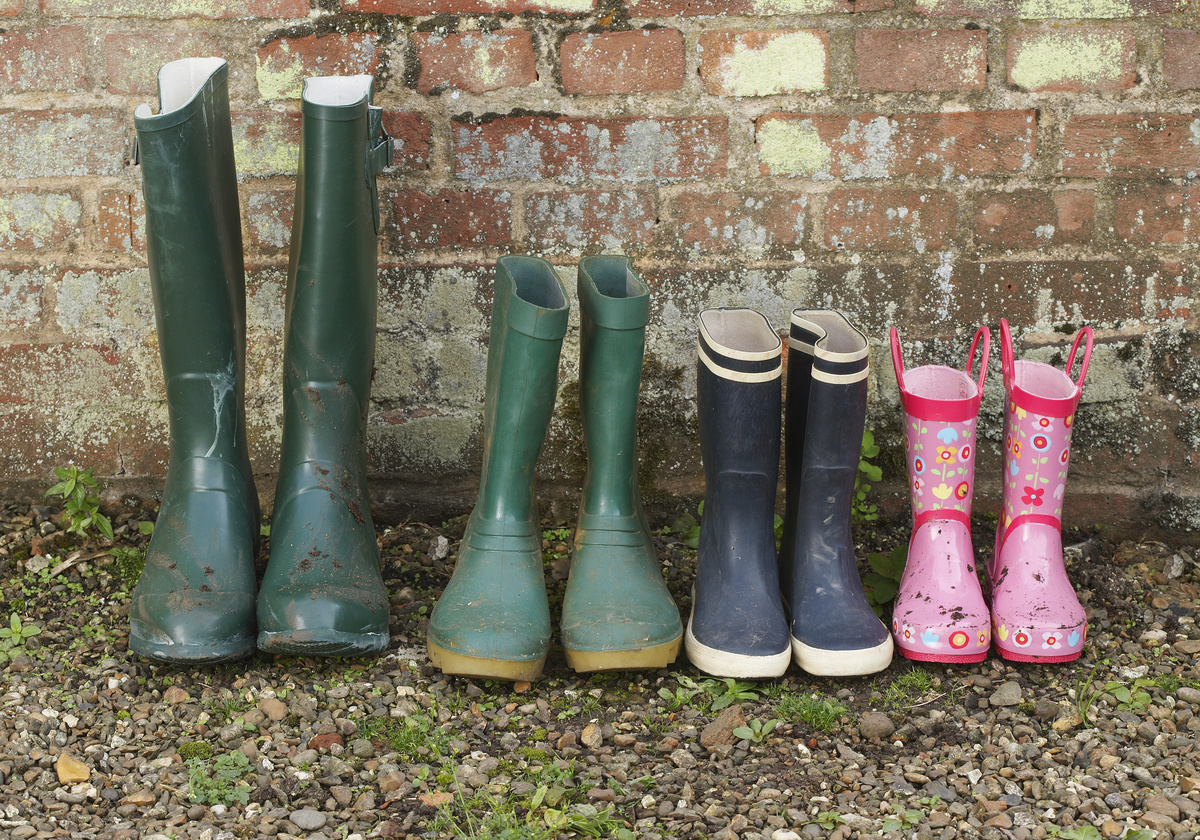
[(756, 225), (573, 222), (1076, 58), (1157, 214), (112, 301), (23, 454), (451, 219), (1051, 9), (121, 221), (466, 7), (575, 149), (412, 137), (1033, 218), (42, 59), (21, 298), (921, 59), (697, 8), (1181, 59), (32, 219), (71, 373), (126, 437), (475, 61), (283, 65), (167, 9), (84, 143), (825, 146), (889, 220), (266, 143), (11, 8), (1147, 145), (268, 219), (734, 63), (131, 61), (633, 61)]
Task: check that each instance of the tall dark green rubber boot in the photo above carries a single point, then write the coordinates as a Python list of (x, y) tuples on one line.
[(195, 600), (493, 619), (323, 592), (617, 613)]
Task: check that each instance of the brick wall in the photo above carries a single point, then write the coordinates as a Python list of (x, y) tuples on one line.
[(932, 164)]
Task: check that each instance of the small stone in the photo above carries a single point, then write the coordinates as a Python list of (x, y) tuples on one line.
[(683, 759), (275, 709), (1160, 804), (1046, 710), (520, 687), (720, 731), (439, 548), (1187, 784), (1000, 821), (784, 834), (1189, 646), (1111, 829), (324, 742), (71, 770), (362, 748), (738, 823), (20, 664), (602, 795), (196, 812), (876, 725), (591, 737), (568, 739), (306, 819), (1159, 602), (142, 798), (1188, 694), (1157, 821), (1008, 694), (436, 798)]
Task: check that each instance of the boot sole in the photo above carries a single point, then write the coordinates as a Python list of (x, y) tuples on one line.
[(945, 659), (842, 663), (192, 654), (525, 670), (1012, 656), (322, 643), (723, 663), (640, 659)]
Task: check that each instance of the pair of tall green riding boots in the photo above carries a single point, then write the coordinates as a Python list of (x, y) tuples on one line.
[(323, 592)]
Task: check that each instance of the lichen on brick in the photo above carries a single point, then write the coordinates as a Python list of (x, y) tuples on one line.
[(36, 219), (1054, 58), (793, 61), (793, 148)]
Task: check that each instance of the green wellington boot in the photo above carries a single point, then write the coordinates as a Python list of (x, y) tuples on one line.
[(617, 612), (323, 591), (195, 600), (493, 619)]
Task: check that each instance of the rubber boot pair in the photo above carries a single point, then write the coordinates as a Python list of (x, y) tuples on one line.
[(323, 592), (940, 613), (740, 625), (493, 619)]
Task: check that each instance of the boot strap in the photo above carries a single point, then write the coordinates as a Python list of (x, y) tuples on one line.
[(943, 514), (379, 156), (1032, 518)]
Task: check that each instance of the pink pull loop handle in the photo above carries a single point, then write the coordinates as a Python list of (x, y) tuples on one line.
[(986, 335), (897, 360), (1086, 332), (1007, 365)]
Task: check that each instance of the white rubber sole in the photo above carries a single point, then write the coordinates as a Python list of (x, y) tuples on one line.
[(842, 663), (722, 663)]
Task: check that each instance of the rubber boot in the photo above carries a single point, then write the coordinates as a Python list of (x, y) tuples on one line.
[(1036, 616), (617, 612), (194, 602), (737, 626), (493, 619), (940, 614), (834, 631), (323, 591)]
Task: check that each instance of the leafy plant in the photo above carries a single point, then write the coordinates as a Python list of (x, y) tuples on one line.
[(81, 502), (129, 563), (907, 688), (1085, 695), (828, 820), (1132, 698), (195, 749), (682, 695), (755, 730), (1083, 832), (903, 820), (728, 691), (883, 581), (17, 633), (861, 510), (819, 713), (415, 737), (221, 783)]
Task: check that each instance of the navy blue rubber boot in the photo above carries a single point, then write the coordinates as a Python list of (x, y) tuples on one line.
[(834, 631), (738, 627)]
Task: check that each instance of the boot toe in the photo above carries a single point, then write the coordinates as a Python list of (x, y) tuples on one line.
[(337, 621), (840, 640), (192, 627)]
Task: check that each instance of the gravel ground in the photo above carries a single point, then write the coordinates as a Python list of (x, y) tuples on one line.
[(96, 743)]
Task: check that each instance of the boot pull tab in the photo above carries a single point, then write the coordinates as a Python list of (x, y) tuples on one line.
[(898, 360), (379, 155), (1086, 332), (1006, 356), (986, 335)]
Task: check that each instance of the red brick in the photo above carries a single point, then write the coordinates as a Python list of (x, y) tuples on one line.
[(121, 221), (65, 374), (168, 9), (409, 295), (572, 222), (30, 219), (467, 7), (636, 61), (266, 142), (574, 149), (889, 220), (1157, 214), (1181, 59), (1034, 218), (42, 59), (283, 65), (734, 63), (116, 439), (877, 146), (131, 61), (66, 143), (268, 219), (20, 298), (1096, 292), (694, 8), (115, 301), (1040, 9), (23, 452), (921, 59), (1147, 145), (11, 8), (756, 225), (451, 219), (1073, 58), (475, 61), (412, 137)]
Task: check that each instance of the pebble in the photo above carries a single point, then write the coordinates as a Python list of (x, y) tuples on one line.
[(1008, 694), (875, 725), (592, 736), (306, 819), (71, 770), (273, 708)]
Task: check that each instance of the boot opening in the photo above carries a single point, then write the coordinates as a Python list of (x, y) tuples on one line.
[(614, 278), (741, 333), (535, 281), (1042, 380), (180, 81), (337, 90), (938, 382), (840, 340)]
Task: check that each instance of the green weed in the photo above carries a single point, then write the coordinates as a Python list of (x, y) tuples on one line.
[(812, 710), (81, 502), (755, 730), (728, 691), (221, 782), (862, 510), (883, 581)]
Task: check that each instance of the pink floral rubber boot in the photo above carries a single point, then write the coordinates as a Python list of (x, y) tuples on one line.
[(1035, 614), (940, 614)]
